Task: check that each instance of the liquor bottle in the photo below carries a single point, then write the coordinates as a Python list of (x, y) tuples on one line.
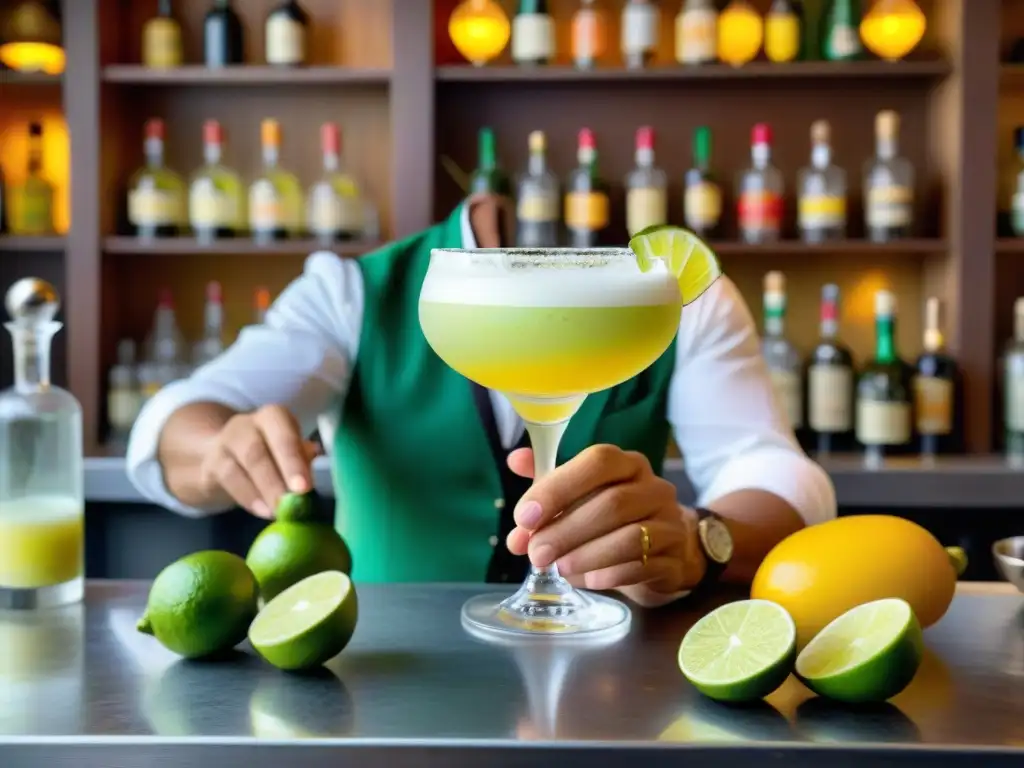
[(489, 178), (697, 32), (821, 208), (589, 34), (537, 203), (275, 197), (702, 196), (261, 303), (646, 187), (1013, 387), (639, 32), (1016, 186), (156, 194), (781, 357), (164, 349), (888, 184), (586, 196), (223, 42), (830, 382), (533, 33), (161, 39), (759, 192), (335, 204), (31, 211), (884, 389), (287, 30), (124, 398), (841, 31), (935, 388), (3, 203), (42, 549), (783, 30), (212, 342), (216, 206)]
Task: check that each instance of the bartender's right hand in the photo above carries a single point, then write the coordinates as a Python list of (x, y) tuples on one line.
[(258, 457)]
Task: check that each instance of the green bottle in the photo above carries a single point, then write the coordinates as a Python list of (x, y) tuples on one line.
[(489, 178), (841, 31)]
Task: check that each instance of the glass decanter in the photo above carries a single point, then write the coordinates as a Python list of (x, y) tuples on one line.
[(42, 520)]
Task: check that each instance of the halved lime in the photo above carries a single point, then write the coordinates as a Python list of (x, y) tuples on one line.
[(687, 256), (741, 651), (867, 655), (308, 624)]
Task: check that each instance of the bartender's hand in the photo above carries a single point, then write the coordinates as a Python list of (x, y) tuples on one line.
[(257, 457), (586, 517)]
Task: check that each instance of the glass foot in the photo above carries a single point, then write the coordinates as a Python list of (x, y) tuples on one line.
[(546, 605), (36, 598)]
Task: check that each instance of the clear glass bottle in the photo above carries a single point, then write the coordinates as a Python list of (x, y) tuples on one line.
[(821, 209), (212, 343), (42, 504), (275, 197), (759, 192), (830, 383), (646, 187), (586, 196), (589, 34), (156, 194), (537, 201), (780, 355), (697, 32), (888, 184), (639, 32), (335, 209), (1013, 388), (124, 397), (216, 201)]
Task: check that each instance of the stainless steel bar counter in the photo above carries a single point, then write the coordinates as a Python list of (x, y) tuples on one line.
[(80, 687)]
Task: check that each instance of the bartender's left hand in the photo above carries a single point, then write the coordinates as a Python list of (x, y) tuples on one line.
[(586, 517)]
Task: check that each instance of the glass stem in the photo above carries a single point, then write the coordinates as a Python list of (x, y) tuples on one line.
[(545, 439)]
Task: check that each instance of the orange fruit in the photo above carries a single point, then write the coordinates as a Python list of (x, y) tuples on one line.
[(820, 572)]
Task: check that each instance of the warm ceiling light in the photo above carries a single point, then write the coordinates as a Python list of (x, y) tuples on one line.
[(479, 30), (30, 38), (892, 28)]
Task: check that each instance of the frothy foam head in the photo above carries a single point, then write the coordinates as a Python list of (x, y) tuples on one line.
[(511, 277)]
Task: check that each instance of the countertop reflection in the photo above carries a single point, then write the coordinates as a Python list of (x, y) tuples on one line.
[(412, 675)]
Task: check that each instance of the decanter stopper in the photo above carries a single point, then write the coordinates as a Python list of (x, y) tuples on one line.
[(32, 301)]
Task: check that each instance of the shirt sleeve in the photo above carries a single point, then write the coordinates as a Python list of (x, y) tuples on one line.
[(300, 357), (732, 432)]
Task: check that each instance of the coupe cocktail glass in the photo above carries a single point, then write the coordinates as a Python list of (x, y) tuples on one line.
[(546, 328)]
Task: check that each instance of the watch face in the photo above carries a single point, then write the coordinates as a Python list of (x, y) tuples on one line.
[(716, 539)]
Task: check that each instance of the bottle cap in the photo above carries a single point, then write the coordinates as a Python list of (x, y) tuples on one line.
[(761, 134), (820, 132), (1018, 306), (262, 298), (270, 133), (702, 142), (829, 301), (35, 129), (887, 123), (885, 303), (166, 300), (212, 132), (645, 137), (774, 282), (213, 292), (155, 128), (586, 139), (537, 141), (330, 138), (32, 300), (932, 312)]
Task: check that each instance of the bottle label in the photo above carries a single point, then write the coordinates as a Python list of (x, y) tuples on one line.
[(153, 207), (1017, 213), (821, 211), (586, 210), (639, 28), (759, 209), (883, 423), (702, 205), (32, 212), (843, 42), (123, 407), (330, 213), (209, 208), (781, 36), (161, 44), (286, 41), (533, 37), (786, 385), (933, 405), (645, 206), (696, 36), (538, 207), (1015, 397), (830, 397), (889, 206), (265, 209), (586, 36)]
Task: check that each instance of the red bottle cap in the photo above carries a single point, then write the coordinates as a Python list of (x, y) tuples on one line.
[(166, 300), (762, 134), (213, 292), (155, 128), (586, 139), (645, 137), (212, 133), (330, 138)]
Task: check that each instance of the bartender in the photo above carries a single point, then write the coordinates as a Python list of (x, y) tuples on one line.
[(432, 472)]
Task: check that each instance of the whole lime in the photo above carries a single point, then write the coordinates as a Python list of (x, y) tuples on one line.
[(285, 553), (296, 508), (201, 604)]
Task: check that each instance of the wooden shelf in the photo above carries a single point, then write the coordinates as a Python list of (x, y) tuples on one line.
[(133, 246), (133, 74), (1010, 245), (11, 77), (898, 247), (11, 243), (758, 70)]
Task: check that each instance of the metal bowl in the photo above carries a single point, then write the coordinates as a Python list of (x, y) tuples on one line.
[(1009, 557)]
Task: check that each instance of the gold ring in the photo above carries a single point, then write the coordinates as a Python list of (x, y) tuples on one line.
[(645, 544)]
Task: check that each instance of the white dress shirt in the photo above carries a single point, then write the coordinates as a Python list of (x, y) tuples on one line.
[(732, 433)]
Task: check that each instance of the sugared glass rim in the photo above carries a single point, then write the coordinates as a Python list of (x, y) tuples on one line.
[(538, 258), (622, 251)]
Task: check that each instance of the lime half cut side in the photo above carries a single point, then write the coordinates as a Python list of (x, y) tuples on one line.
[(688, 257), (308, 624), (739, 652), (867, 655)]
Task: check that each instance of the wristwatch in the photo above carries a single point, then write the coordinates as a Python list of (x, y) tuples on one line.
[(716, 544)]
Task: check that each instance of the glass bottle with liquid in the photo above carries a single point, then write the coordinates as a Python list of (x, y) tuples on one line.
[(42, 523), (639, 38), (702, 196), (161, 39), (589, 34), (537, 199), (697, 32), (533, 34), (935, 388)]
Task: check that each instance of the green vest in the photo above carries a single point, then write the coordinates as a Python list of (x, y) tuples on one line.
[(415, 479)]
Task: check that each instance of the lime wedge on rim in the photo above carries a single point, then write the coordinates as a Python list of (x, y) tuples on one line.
[(308, 624), (867, 655), (739, 652), (687, 256)]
